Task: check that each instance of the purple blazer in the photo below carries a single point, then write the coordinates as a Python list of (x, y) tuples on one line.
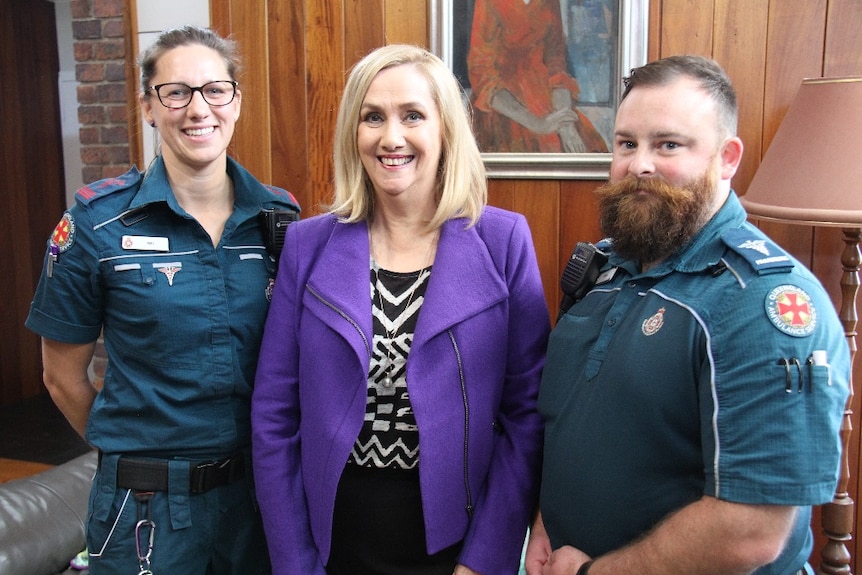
[(484, 323)]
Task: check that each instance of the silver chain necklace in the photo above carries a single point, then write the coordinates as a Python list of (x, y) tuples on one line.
[(388, 381), (389, 367)]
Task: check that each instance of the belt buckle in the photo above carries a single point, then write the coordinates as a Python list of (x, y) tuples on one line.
[(205, 476), (198, 477)]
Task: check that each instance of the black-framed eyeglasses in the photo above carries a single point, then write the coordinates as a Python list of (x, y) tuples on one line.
[(176, 95)]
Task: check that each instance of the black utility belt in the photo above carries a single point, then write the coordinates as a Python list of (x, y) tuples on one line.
[(152, 474)]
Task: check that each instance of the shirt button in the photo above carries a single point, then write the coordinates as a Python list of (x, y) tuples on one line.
[(633, 285), (612, 322)]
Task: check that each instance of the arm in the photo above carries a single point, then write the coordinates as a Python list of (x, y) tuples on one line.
[(709, 537), (65, 373), (503, 102)]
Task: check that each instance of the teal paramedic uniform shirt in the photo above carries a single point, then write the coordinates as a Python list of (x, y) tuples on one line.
[(182, 319), (664, 386)]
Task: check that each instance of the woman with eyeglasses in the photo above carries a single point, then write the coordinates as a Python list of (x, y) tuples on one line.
[(172, 267)]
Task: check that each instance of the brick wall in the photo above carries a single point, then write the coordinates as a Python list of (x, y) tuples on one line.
[(100, 67)]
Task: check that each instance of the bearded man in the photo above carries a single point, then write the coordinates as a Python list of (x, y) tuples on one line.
[(692, 398)]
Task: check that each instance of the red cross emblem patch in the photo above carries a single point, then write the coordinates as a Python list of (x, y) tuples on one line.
[(790, 310), (63, 235)]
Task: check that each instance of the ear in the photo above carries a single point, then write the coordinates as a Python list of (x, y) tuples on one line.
[(238, 100), (146, 109), (731, 156)]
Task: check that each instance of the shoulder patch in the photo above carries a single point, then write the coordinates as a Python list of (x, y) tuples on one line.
[(282, 193), (791, 310), (764, 256), (107, 186), (63, 235)]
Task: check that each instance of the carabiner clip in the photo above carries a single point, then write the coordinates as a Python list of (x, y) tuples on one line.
[(144, 558)]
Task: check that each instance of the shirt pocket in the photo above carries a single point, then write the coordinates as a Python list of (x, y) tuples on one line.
[(158, 301)]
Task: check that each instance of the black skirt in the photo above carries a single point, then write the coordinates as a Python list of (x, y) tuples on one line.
[(378, 527)]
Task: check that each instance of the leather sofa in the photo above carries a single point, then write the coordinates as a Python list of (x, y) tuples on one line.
[(42, 518)]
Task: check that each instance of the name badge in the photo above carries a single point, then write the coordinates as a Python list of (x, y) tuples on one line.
[(145, 243)]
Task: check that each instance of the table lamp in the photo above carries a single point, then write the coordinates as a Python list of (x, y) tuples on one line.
[(812, 175)]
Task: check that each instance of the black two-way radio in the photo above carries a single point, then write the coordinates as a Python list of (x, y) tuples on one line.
[(580, 274), (274, 222)]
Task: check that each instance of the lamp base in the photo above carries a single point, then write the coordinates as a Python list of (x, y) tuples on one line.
[(837, 516)]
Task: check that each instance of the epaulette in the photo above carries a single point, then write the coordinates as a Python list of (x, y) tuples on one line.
[(108, 186), (281, 193), (764, 256)]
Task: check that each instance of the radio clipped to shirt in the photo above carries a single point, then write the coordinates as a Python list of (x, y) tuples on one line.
[(273, 223), (580, 274)]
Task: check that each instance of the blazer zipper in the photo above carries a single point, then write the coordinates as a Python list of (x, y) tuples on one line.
[(343, 314), (469, 507)]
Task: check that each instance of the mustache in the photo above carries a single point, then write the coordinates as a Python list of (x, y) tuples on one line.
[(652, 186)]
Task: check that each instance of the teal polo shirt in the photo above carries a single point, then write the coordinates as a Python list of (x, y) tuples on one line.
[(693, 379)]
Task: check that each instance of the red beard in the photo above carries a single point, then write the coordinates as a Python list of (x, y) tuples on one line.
[(650, 219)]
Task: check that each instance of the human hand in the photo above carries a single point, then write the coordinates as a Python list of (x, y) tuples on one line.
[(462, 570), (538, 547), (565, 561), (554, 121), (571, 140), (538, 552)]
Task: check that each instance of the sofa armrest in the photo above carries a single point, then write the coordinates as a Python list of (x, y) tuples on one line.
[(43, 518)]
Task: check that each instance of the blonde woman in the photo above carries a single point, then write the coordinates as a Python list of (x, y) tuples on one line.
[(394, 414)]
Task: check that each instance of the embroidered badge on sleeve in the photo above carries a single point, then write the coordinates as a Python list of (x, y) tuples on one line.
[(63, 235), (791, 310)]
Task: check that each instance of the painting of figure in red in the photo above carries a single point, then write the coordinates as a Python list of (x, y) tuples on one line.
[(521, 65)]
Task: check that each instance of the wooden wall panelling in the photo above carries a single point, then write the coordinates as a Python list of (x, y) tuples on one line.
[(739, 45), (325, 33), (653, 31), (843, 55), (501, 193), (407, 22), (579, 216), (539, 201), (686, 27), (289, 128), (366, 31), (252, 132), (220, 16)]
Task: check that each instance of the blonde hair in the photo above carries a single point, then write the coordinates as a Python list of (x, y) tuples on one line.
[(461, 186)]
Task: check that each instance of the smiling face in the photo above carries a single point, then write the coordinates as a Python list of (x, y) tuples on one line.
[(399, 136), (671, 132), (199, 134), (670, 172)]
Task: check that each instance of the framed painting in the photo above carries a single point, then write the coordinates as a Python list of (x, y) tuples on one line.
[(543, 77)]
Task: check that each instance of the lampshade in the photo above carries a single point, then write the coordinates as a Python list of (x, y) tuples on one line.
[(812, 172)]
